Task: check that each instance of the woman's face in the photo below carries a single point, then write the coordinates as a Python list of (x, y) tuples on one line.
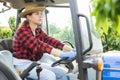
[(35, 18)]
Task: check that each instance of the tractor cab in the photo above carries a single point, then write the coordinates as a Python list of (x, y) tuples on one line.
[(69, 21)]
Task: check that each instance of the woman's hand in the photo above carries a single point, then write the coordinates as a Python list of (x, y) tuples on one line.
[(70, 54)]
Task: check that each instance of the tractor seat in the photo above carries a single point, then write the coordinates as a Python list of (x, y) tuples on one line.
[(6, 44), (7, 71)]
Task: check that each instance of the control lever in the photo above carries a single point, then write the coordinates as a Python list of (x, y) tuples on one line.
[(38, 70), (26, 71)]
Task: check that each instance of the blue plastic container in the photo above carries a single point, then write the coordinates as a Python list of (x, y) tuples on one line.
[(111, 69)]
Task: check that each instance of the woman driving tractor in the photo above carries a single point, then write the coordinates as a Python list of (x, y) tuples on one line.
[(31, 42)]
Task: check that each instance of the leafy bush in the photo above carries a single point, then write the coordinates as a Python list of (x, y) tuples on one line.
[(107, 14), (5, 32)]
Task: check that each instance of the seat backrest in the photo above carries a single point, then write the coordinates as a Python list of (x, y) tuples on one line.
[(6, 44), (7, 71)]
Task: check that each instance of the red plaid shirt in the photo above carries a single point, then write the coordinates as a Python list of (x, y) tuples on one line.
[(28, 46)]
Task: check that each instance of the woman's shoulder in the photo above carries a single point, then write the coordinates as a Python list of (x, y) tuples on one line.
[(23, 28)]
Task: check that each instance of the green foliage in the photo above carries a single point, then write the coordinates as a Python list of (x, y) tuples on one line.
[(107, 14), (53, 30), (62, 34), (5, 32), (12, 23), (113, 40)]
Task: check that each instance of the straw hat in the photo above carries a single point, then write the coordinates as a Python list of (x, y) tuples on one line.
[(31, 8)]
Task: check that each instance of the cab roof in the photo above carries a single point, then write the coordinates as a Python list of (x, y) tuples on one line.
[(18, 4)]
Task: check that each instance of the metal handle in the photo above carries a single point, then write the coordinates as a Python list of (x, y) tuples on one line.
[(89, 34)]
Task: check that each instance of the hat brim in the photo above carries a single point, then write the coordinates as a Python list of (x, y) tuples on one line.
[(23, 14)]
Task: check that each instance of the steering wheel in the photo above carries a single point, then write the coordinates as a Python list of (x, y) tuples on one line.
[(65, 61)]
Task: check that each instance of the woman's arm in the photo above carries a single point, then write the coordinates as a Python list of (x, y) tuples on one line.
[(55, 43), (67, 48), (56, 52), (50, 40), (69, 54)]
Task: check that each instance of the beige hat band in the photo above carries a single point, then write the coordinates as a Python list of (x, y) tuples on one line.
[(32, 8)]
